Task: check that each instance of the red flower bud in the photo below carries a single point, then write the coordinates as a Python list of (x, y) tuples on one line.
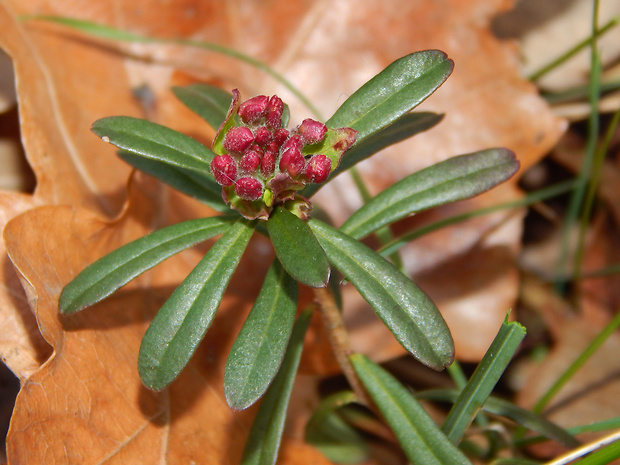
[(293, 142), (292, 161), (275, 109), (238, 139), (224, 170), (262, 136), (311, 131), (248, 188), (253, 109), (318, 168), (280, 135), (268, 163), (249, 162)]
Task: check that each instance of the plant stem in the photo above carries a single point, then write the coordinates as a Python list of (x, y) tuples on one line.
[(339, 340)]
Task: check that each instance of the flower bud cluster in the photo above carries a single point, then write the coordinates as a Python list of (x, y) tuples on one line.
[(260, 160)]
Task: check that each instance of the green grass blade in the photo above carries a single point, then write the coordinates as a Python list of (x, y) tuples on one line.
[(106, 32), (338, 440), (402, 129), (608, 450), (197, 185), (483, 380), (297, 249), (503, 408), (155, 142), (404, 308), (396, 90), (417, 433), (258, 351), (264, 440), (183, 320), (117, 268), (209, 102), (455, 179)]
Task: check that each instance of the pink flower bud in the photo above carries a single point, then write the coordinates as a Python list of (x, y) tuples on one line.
[(253, 109), (268, 163), (275, 109), (238, 139), (292, 161), (248, 188), (249, 162), (311, 131), (318, 168), (293, 142), (280, 135), (262, 136), (224, 170)]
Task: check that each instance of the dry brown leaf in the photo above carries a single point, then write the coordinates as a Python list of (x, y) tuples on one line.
[(66, 81)]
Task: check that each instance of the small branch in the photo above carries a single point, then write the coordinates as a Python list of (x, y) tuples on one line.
[(339, 340)]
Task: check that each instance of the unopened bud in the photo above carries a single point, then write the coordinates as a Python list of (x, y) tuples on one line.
[(248, 188), (311, 131), (238, 139), (292, 161), (268, 163), (275, 109), (262, 136), (318, 169), (280, 136), (253, 109), (224, 170), (249, 162)]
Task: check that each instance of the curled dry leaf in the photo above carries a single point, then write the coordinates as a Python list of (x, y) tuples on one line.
[(66, 81)]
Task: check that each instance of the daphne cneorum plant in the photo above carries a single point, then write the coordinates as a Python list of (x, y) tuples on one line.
[(261, 176)]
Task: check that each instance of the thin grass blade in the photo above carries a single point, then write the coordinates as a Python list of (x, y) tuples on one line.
[(264, 441), (183, 320), (297, 249), (404, 308), (455, 179), (117, 268), (258, 351), (417, 433)]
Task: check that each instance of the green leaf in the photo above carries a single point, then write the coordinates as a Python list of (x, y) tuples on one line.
[(404, 308), (297, 249), (258, 351), (117, 268), (332, 435), (503, 408), (404, 128), (209, 102), (264, 440), (396, 90), (183, 320), (197, 185), (417, 433), (455, 179), (483, 381), (155, 142)]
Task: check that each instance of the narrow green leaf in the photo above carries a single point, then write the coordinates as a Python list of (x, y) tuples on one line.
[(404, 308), (332, 435), (209, 102), (258, 351), (197, 185), (155, 142), (264, 440), (417, 433), (117, 268), (607, 450), (483, 381), (455, 179), (403, 128), (396, 90), (297, 249), (183, 320), (503, 408)]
